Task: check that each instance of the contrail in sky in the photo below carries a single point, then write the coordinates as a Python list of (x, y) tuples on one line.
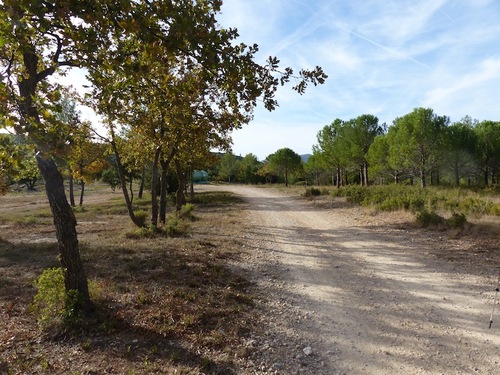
[(391, 50)]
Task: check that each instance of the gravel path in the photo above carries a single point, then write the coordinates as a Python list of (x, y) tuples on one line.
[(343, 295)]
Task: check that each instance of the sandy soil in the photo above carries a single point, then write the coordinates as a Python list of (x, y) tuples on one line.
[(345, 292)]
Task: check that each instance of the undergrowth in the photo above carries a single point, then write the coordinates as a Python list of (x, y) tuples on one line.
[(400, 197)]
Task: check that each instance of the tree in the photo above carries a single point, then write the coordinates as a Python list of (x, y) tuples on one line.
[(461, 142), (86, 157), (417, 142), (378, 157), (228, 166), (248, 168), (360, 134), (331, 149), (10, 159), (285, 161), (488, 150), (314, 168)]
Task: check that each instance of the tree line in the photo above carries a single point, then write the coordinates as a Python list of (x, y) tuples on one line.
[(418, 146)]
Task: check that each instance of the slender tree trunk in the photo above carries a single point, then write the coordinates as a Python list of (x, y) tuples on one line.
[(67, 239), (457, 177), (141, 186), (71, 189), (180, 199), (423, 178), (131, 187), (82, 192), (154, 188), (191, 185), (123, 182), (365, 172), (163, 193)]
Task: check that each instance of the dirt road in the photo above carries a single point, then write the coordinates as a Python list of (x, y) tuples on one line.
[(347, 294)]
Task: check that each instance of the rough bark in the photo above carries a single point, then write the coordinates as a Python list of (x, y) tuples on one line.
[(65, 224)]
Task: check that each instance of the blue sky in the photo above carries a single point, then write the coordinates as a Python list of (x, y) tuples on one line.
[(383, 57)]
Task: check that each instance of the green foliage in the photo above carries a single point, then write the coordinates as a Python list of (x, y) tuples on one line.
[(429, 218), (228, 167), (186, 212), (141, 217), (52, 304), (176, 224), (312, 192), (110, 177), (401, 197), (248, 169), (456, 221), (285, 161)]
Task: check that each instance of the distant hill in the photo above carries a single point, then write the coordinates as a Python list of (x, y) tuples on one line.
[(305, 157)]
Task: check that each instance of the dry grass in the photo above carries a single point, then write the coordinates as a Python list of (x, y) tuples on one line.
[(163, 305)]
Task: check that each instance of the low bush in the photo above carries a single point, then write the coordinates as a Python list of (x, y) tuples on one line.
[(312, 192), (429, 218), (141, 217), (186, 211), (53, 305), (456, 221), (416, 199)]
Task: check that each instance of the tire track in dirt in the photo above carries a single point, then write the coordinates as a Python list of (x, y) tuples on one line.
[(373, 301)]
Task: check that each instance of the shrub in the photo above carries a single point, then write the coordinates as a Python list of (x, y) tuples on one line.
[(429, 218), (456, 221), (312, 192), (141, 217), (186, 211), (356, 194), (52, 304)]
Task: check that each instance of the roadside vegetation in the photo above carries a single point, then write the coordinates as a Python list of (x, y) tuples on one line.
[(435, 206)]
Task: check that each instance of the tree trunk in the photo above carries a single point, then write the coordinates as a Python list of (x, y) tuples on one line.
[(154, 188), (191, 185), (423, 178), (82, 192), (67, 239), (365, 173), (141, 186), (123, 182), (71, 190), (163, 193), (180, 199)]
